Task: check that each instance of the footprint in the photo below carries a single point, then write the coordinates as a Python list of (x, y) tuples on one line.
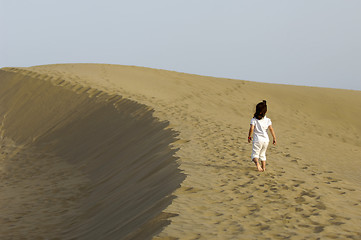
[(189, 190), (300, 199), (254, 208), (318, 229), (308, 193), (320, 205)]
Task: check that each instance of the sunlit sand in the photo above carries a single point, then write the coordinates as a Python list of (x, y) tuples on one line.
[(96, 151)]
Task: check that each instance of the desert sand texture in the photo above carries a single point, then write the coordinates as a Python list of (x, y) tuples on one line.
[(97, 151)]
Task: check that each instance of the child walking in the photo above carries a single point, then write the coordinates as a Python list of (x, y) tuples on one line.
[(259, 126)]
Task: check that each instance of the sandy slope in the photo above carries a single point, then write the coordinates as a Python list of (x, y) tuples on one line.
[(312, 185), (78, 163)]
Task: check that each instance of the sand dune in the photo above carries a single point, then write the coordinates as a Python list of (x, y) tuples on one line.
[(80, 163), (88, 154)]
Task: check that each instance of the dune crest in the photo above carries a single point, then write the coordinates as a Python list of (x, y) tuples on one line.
[(81, 163)]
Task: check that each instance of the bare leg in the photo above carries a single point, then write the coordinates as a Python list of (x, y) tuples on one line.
[(264, 165), (255, 160)]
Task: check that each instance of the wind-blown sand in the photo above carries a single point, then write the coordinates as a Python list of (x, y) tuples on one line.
[(87, 153)]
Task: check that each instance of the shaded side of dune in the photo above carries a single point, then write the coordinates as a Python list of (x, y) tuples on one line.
[(116, 143)]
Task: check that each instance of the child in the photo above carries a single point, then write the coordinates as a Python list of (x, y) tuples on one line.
[(259, 125)]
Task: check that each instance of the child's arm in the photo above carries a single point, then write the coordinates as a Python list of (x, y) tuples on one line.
[(273, 134), (250, 133)]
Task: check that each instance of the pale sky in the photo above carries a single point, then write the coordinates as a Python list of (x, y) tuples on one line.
[(299, 42)]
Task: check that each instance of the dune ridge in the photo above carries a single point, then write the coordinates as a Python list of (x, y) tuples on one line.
[(311, 188), (81, 163)]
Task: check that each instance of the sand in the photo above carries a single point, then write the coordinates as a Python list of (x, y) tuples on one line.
[(96, 151)]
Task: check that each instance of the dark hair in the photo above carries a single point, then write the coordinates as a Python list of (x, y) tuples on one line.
[(261, 110)]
